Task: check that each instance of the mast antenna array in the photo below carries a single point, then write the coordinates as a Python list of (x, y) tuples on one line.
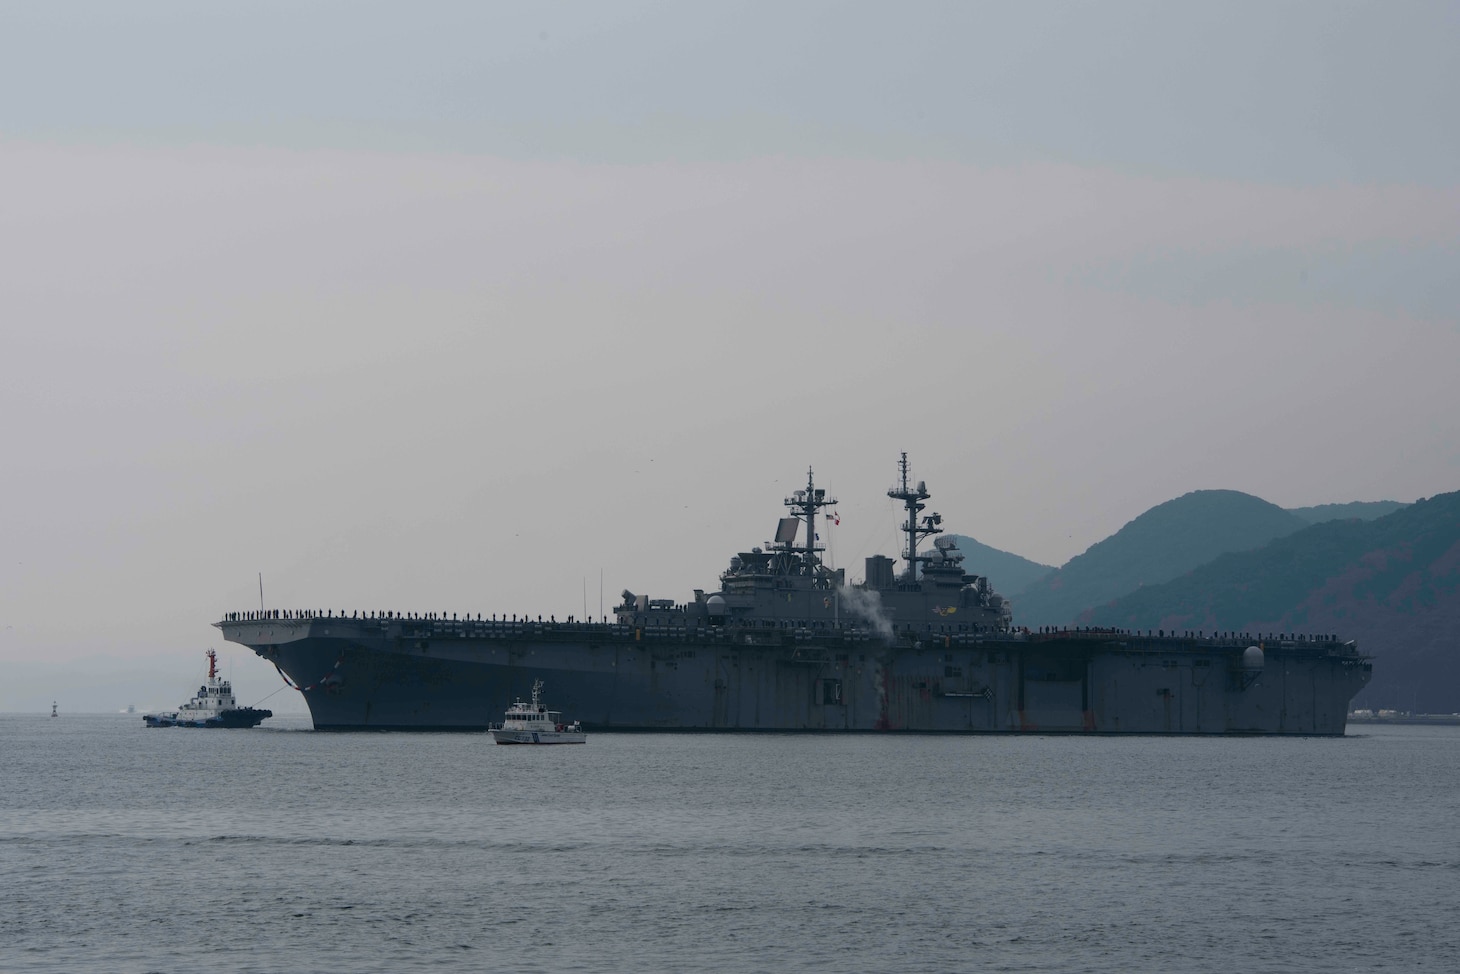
[(912, 499), (804, 504)]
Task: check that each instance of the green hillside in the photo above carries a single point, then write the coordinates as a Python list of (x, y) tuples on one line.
[(1163, 543), (1362, 510), (1392, 583), (1005, 571)]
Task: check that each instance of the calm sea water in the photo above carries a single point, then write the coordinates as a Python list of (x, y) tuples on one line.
[(124, 849)]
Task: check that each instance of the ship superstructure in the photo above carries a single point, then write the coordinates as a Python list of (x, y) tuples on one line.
[(786, 586), (788, 643)]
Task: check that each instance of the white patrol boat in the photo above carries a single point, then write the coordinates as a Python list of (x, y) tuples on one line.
[(533, 723), (214, 706)]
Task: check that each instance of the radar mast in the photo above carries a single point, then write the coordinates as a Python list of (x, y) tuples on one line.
[(804, 504), (912, 499)]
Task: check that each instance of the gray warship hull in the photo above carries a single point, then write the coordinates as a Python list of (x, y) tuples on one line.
[(394, 674)]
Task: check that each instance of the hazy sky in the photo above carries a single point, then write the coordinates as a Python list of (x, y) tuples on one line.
[(460, 307)]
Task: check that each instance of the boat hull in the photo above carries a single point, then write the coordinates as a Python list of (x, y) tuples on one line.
[(538, 737), (448, 675), (228, 719)]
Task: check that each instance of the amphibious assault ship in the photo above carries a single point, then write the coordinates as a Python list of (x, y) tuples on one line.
[(787, 643)]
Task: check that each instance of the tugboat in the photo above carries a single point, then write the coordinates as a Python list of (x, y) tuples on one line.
[(214, 706), (533, 723)]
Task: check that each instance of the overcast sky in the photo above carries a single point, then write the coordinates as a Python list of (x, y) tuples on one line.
[(464, 307)]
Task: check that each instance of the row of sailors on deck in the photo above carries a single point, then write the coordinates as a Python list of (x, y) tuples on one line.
[(263, 614), (441, 617), (1196, 634)]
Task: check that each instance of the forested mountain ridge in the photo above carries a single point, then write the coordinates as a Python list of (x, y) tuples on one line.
[(1165, 542), (1392, 583), (1363, 510)]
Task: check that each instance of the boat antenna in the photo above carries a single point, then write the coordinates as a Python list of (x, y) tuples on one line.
[(261, 591)]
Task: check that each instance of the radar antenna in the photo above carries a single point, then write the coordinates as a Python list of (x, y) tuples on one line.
[(912, 499), (804, 504)]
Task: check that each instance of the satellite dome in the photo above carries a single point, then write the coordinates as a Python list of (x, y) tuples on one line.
[(716, 605), (1252, 658)]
